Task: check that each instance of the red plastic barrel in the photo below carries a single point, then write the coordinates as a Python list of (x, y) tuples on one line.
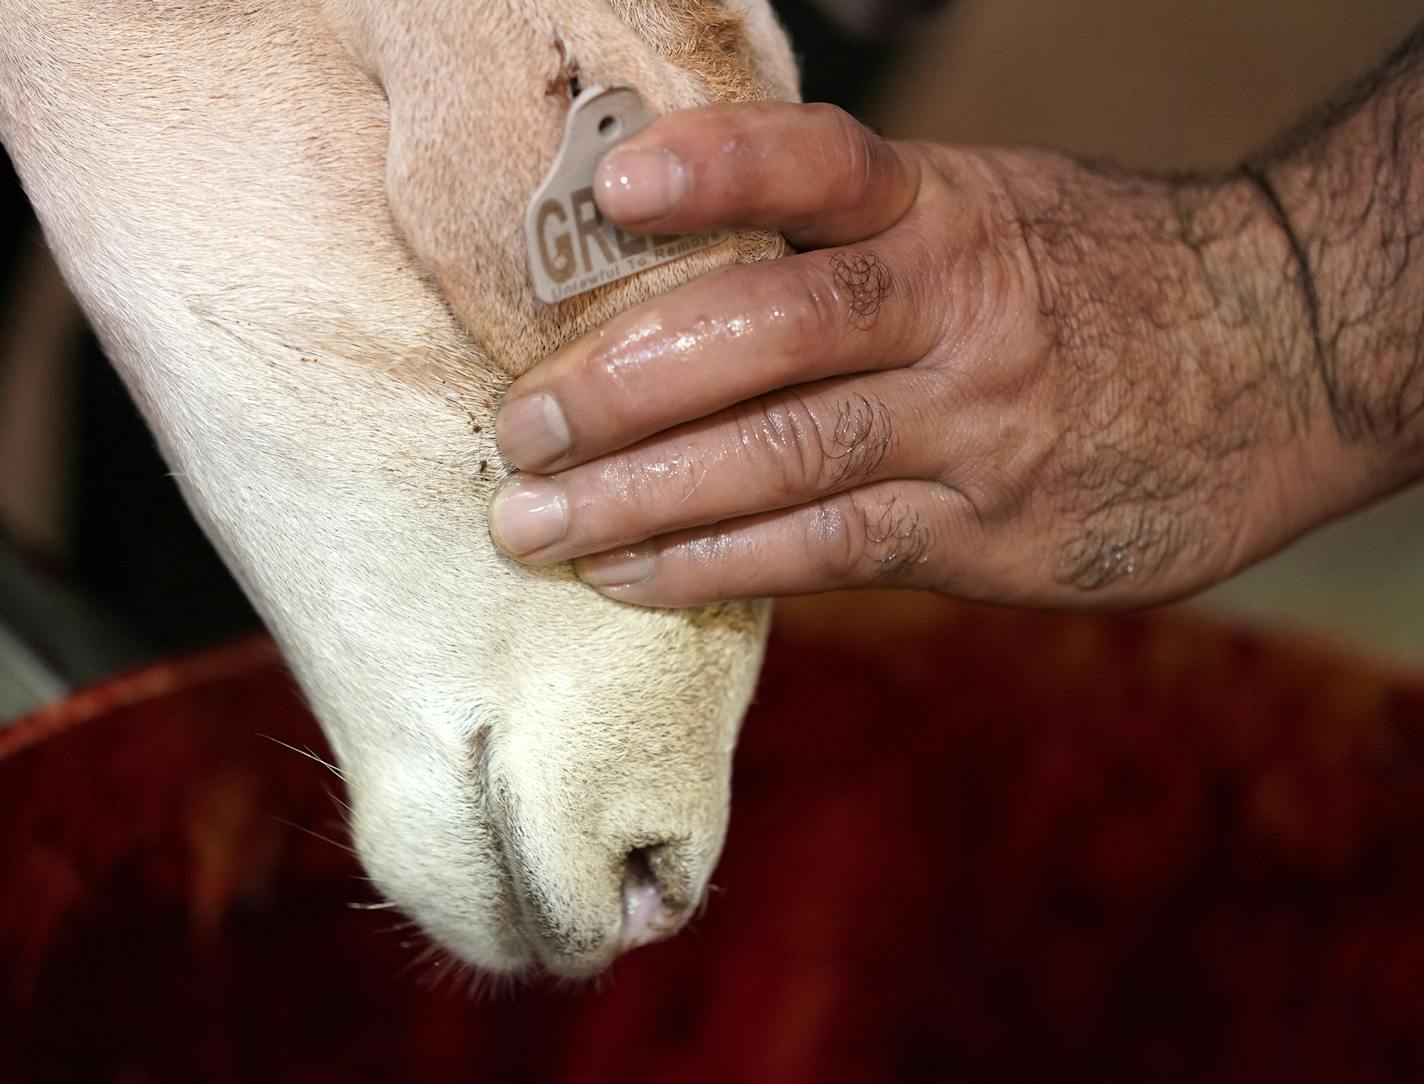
[(966, 845)]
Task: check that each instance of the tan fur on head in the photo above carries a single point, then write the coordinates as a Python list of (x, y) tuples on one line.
[(439, 159), (296, 227), (705, 37)]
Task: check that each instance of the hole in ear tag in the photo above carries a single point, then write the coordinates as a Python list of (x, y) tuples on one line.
[(571, 248)]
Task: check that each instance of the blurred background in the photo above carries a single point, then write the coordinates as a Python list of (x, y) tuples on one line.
[(1018, 847), (102, 568)]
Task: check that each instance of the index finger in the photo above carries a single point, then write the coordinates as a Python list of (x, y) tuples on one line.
[(720, 339), (811, 172)]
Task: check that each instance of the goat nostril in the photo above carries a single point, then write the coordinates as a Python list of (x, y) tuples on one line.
[(648, 914)]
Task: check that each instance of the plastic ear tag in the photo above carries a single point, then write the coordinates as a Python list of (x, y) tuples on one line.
[(571, 248)]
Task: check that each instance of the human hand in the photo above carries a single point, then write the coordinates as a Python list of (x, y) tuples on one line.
[(997, 374)]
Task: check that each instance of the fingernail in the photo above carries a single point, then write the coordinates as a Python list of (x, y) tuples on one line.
[(532, 430), (636, 186), (618, 568), (528, 515)]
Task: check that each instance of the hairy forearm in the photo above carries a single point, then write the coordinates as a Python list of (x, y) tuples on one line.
[(1066, 384), (1238, 357), (1348, 191)]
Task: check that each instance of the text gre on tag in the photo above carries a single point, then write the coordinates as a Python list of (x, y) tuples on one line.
[(571, 247)]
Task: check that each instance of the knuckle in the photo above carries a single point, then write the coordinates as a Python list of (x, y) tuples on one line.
[(825, 446), (699, 567), (818, 299), (835, 545), (902, 541), (782, 434), (858, 439), (872, 537), (858, 152), (862, 281)]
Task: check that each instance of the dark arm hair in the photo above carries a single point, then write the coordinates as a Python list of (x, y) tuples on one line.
[(1347, 187)]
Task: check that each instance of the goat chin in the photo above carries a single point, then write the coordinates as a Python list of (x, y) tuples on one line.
[(292, 226)]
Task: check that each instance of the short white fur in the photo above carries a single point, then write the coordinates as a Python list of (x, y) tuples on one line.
[(295, 227)]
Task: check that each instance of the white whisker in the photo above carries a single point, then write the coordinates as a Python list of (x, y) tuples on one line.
[(316, 835), (309, 755)]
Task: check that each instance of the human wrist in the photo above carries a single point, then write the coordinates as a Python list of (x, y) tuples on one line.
[(1351, 203), (1170, 306)]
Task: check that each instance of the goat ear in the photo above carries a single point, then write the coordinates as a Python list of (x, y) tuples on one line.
[(771, 48), (358, 26), (474, 128), (705, 37)]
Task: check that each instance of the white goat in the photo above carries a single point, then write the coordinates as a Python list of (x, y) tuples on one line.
[(295, 225)]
